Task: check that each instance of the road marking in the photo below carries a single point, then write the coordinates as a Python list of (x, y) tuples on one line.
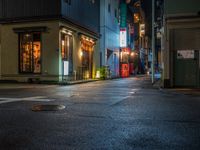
[(33, 98), (120, 100)]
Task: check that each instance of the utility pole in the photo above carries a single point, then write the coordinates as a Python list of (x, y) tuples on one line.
[(153, 43)]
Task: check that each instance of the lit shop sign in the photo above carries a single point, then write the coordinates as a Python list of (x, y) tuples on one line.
[(66, 68), (142, 30), (123, 15), (123, 40)]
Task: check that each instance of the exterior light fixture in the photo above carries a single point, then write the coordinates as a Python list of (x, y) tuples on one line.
[(98, 74), (81, 53), (66, 31), (132, 53)]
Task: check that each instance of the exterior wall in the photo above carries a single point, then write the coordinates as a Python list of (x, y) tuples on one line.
[(0, 52), (177, 15), (28, 8), (173, 25), (183, 7), (109, 29), (83, 12), (52, 67), (49, 52), (76, 33), (82, 17)]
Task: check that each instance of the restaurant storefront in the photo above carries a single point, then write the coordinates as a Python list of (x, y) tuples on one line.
[(47, 51), (87, 52)]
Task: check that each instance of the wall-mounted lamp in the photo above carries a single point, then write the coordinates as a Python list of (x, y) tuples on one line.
[(81, 53)]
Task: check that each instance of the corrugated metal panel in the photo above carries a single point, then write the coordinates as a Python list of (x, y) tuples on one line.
[(181, 7), (186, 39), (83, 12), (30, 8), (186, 70)]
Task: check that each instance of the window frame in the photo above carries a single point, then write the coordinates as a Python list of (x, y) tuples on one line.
[(109, 7), (20, 70)]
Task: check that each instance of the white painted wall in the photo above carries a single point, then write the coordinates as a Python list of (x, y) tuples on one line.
[(109, 29)]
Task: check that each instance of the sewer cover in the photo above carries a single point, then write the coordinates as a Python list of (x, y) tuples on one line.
[(47, 107)]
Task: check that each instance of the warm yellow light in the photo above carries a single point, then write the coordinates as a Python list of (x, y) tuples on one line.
[(132, 53), (87, 75), (63, 43), (98, 74), (66, 31), (81, 53)]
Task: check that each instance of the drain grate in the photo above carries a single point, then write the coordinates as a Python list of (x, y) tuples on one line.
[(48, 107)]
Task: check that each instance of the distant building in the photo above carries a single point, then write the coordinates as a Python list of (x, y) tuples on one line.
[(49, 40), (109, 29), (180, 43), (139, 36)]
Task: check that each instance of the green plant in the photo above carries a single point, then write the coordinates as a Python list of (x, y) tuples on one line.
[(103, 72)]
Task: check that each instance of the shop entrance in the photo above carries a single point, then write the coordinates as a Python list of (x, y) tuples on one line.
[(67, 55), (86, 69)]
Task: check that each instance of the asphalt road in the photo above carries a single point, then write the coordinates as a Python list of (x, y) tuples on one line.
[(122, 114)]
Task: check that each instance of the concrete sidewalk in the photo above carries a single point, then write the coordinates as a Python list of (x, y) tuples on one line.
[(185, 91), (18, 85), (78, 82)]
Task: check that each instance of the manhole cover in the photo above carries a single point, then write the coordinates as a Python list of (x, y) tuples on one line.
[(47, 107)]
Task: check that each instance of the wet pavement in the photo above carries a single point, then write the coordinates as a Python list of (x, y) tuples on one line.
[(122, 114)]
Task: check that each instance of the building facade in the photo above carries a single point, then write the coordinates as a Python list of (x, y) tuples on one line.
[(109, 29), (180, 43), (49, 40), (0, 51)]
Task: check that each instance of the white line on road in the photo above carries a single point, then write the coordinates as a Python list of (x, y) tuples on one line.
[(33, 98)]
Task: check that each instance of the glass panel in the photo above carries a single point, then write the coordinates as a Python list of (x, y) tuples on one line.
[(37, 53), (25, 53), (30, 53), (67, 50), (70, 55), (65, 44)]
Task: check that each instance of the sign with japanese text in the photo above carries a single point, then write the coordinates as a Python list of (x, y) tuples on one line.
[(123, 37), (185, 54)]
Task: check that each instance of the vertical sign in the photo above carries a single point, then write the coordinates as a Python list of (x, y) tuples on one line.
[(66, 68), (123, 10), (123, 37), (142, 30)]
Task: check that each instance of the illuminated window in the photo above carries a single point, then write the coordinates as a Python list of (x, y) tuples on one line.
[(136, 18), (87, 47), (30, 52), (67, 50)]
